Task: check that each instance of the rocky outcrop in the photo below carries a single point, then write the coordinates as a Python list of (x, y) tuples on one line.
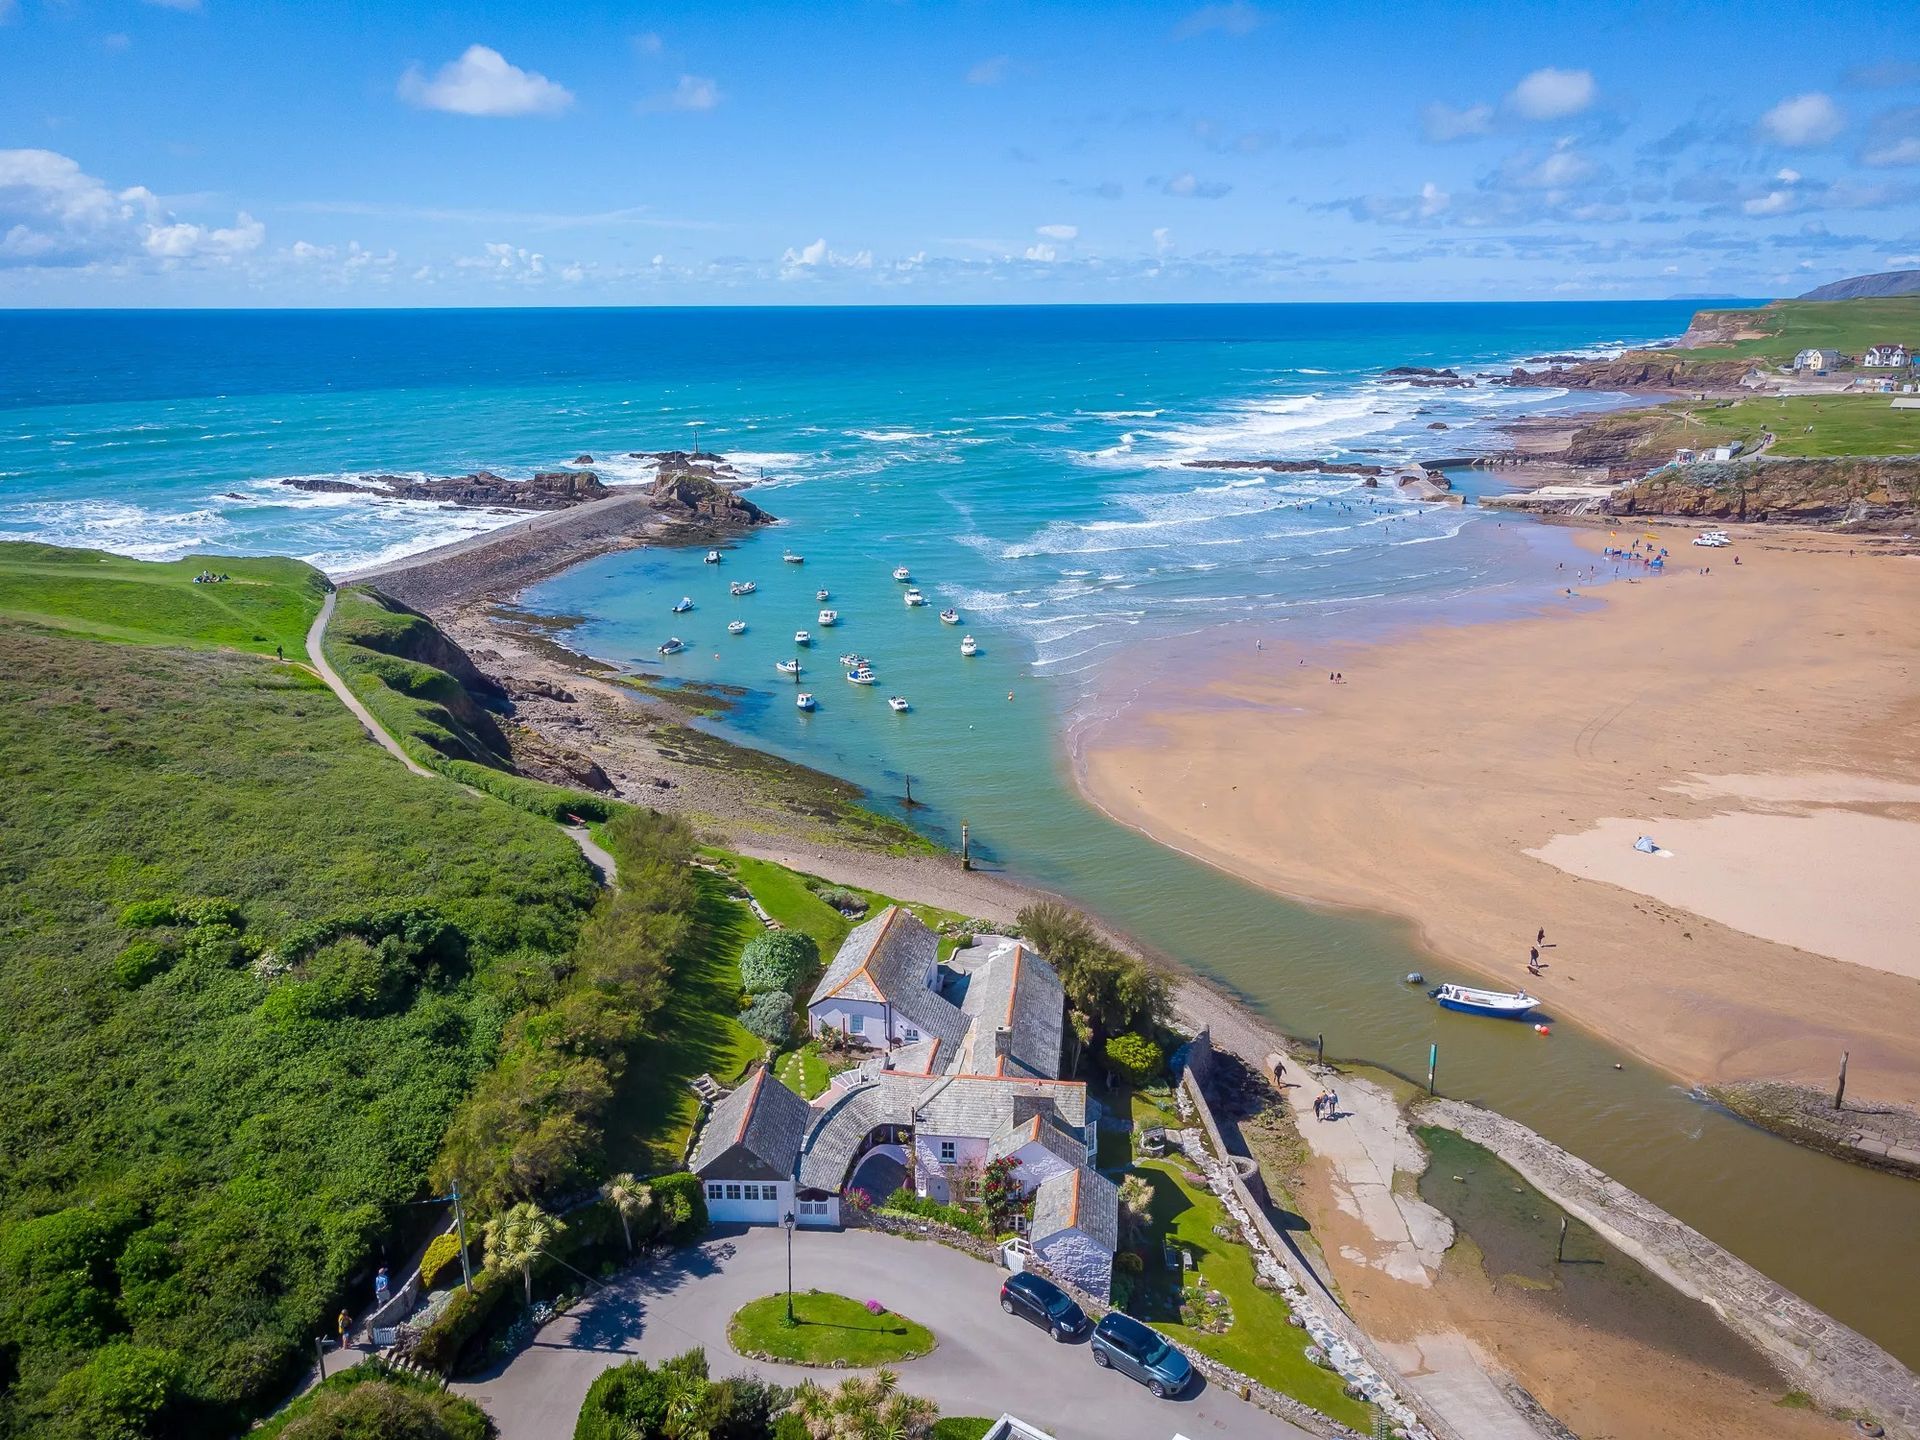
[(1428, 378), (1293, 467), (1865, 494), (696, 496), (1639, 370), (549, 490)]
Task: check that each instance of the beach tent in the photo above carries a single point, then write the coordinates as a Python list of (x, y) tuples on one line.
[(1646, 846)]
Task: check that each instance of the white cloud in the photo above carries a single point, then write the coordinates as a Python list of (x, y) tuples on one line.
[(1803, 120), (1058, 232), (807, 254), (1441, 122), (54, 214), (1550, 94), (692, 92), (812, 259), (991, 71), (1189, 186), (511, 262), (1433, 201), (1562, 168), (1162, 241), (482, 82), (1774, 202), (1042, 253), (1236, 17), (1897, 261), (1904, 151)]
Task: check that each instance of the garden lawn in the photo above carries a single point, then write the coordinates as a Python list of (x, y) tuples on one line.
[(699, 1033), (803, 1071), (829, 1329), (1260, 1343)]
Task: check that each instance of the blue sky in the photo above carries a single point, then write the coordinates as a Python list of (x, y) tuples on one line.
[(271, 152)]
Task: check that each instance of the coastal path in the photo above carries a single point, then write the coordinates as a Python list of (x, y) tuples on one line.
[(315, 635), (984, 1363)]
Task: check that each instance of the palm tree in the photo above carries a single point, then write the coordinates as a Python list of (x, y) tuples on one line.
[(863, 1409), (1136, 1201), (630, 1200), (518, 1237)]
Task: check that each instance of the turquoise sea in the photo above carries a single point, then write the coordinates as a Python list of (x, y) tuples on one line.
[(1028, 466)]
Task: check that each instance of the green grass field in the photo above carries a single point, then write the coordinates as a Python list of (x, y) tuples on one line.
[(828, 1329), (1849, 326), (1807, 426), (267, 602)]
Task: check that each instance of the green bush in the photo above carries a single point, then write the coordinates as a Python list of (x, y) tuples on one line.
[(1135, 1058), (770, 1016), (374, 1402), (442, 1255), (439, 1346), (777, 960), (123, 1392), (905, 1202), (638, 1401), (682, 1203), (141, 961), (553, 802), (845, 901), (150, 914)]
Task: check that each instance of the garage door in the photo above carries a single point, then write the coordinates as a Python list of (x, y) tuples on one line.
[(744, 1204)]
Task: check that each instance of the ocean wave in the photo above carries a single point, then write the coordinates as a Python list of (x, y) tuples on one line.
[(892, 437)]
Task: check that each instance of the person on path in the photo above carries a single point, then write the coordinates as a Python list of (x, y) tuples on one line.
[(1333, 1105), (381, 1285), (345, 1322)]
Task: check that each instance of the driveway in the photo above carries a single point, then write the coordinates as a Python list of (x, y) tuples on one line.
[(985, 1362)]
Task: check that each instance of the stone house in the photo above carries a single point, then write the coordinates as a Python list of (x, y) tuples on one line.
[(1076, 1228)]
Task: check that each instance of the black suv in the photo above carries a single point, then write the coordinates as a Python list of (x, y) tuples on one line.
[(1044, 1303)]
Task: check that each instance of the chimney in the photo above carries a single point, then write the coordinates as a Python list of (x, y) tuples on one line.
[(1002, 1043)]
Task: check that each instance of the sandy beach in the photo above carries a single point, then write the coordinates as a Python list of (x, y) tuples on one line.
[(1761, 722)]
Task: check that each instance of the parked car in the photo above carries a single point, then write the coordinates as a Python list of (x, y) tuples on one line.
[(1036, 1298), (1122, 1343)]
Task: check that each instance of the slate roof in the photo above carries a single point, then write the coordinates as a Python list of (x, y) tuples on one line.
[(1043, 1129), (1019, 992), (1078, 1199), (982, 1106), (838, 1131), (886, 960), (753, 1134)]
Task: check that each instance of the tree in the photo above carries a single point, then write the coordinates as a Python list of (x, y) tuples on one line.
[(777, 960), (1000, 1192), (770, 1017), (1137, 1059), (1108, 990), (1136, 1202), (518, 1237), (630, 1200)]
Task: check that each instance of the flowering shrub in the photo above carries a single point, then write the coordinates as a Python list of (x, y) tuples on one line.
[(874, 1307)]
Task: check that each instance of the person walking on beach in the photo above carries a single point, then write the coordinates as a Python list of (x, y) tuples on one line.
[(1541, 938)]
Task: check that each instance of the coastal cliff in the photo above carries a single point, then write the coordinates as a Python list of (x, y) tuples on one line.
[(1638, 370), (1854, 492)]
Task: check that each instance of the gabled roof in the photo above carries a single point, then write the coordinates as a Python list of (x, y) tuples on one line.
[(880, 957), (981, 1106), (838, 1131), (1020, 993), (755, 1133), (1041, 1130), (1078, 1199)]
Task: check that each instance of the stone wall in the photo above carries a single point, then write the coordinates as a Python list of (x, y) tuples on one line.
[(1839, 1367)]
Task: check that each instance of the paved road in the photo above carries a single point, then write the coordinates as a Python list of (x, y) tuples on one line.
[(985, 1362), (360, 712)]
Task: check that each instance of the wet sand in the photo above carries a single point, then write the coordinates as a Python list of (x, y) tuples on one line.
[(1776, 698)]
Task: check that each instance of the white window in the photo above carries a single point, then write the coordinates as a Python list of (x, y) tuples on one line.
[(713, 1190), (948, 1152), (733, 1192), (856, 1024), (912, 1035), (813, 1207)]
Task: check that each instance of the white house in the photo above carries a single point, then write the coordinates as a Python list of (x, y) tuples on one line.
[(882, 989), (1076, 1228), (1886, 357), (749, 1150), (1819, 361)]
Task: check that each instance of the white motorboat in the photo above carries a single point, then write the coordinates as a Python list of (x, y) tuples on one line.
[(1504, 1004), (914, 597), (736, 627), (793, 559), (713, 557), (855, 662), (742, 587), (898, 704), (969, 646), (860, 677), (804, 700), (949, 617), (801, 637), (829, 618), (787, 667), (686, 604), (822, 596), (902, 574), (673, 646)]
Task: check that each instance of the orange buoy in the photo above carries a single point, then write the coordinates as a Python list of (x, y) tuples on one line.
[(1542, 1030)]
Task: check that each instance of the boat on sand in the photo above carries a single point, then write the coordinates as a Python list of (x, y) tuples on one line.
[(1507, 1004)]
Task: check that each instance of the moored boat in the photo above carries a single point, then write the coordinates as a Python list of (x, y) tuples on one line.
[(1508, 1004), (713, 557), (804, 700), (736, 627), (860, 677), (914, 597), (742, 587), (829, 618), (949, 616), (801, 637), (686, 604), (898, 704), (822, 596), (969, 646), (793, 559), (902, 574), (855, 662), (787, 667), (673, 646)]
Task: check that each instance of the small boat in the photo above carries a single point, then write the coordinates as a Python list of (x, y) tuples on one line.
[(793, 559), (736, 627), (1467, 1000), (914, 597), (713, 557), (822, 596), (742, 587), (673, 646), (829, 618), (801, 637), (787, 667), (949, 617), (855, 662), (969, 646), (902, 574), (860, 677), (804, 700), (898, 704), (686, 604)]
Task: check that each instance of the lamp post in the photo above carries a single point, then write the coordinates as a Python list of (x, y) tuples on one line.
[(786, 1223)]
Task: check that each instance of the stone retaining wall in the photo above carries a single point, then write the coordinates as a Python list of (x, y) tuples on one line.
[(1839, 1367)]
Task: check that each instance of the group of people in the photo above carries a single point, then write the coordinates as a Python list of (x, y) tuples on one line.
[(1535, 965), (382, 1291), (207, 577), (1326, 1105)]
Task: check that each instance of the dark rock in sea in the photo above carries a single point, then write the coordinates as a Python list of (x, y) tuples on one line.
[(235, 495), (583, 459), (1556, 360), (550, 490), (1439, 425), (698, 496), (1290, 467), (1401, 372), (1372, 482)]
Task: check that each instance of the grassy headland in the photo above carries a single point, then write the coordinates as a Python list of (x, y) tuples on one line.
[(1777, 332)]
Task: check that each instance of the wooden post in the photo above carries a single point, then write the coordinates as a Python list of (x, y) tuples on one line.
[(1320, 1049), (1560, 1250), (909, 792), (1433, 1065), (966, 852), (320, 1354), (1840, 1090)]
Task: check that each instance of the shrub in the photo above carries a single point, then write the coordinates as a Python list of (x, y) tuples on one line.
[(552, 802), (770, 1017), (374, 1402), (1130, 1261), (677, 1397), (151, 914), (905, 1202), (140, 962), (443, 1253), (845, 901), (124, 1392), (682, 1202), (777, 960), (438, 1347), (1135, 1058)]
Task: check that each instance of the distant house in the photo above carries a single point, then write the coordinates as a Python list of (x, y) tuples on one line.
[(1717, 454), (749, 1150), (1818, 361), (1076, 1228), (1886, 357)]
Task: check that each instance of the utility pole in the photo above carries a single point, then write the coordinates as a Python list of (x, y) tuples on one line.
[(1320, 1049), (460, 1226), (1840, 1090), (694, 425)]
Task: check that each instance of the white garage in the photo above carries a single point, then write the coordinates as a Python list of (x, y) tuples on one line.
[(748, 1150)]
